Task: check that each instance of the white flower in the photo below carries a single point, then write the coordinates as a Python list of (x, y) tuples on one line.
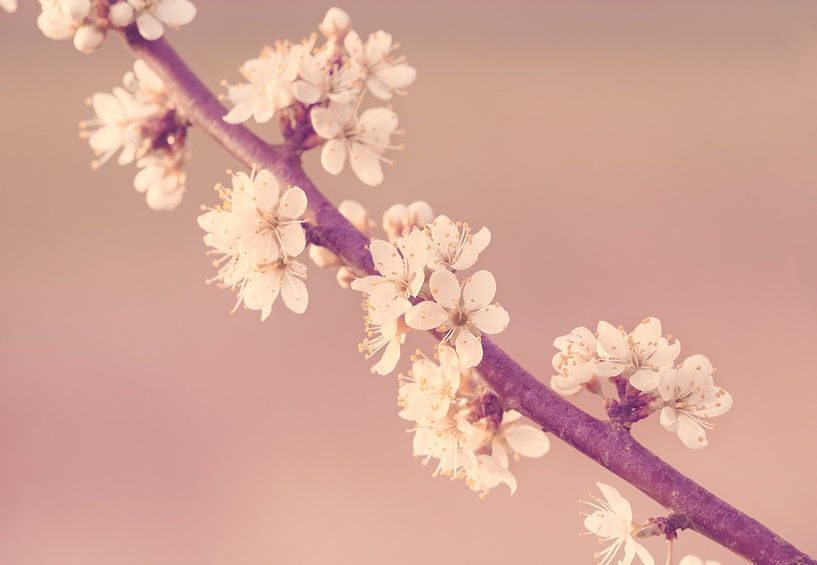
[(400, 219), (612, 521), (384, 76), (489, 473), (446, 439), (161, 178), (429, 389), (119, 122), (153, 15), (363, 138), (266, 281), (402, 273), (60, 19), (389, 337), (256, 232), (335, 23), (88, 38), (463, 314), (268, 87), (9, 6), (453, 246), (318, 83), (695, 560), (639, 356), (690, 397), (146, 86), (575, 362)]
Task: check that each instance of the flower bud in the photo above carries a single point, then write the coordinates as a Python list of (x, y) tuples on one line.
[(324, 258), (88, 38), (357, 215), (121, 14), (335, 23)]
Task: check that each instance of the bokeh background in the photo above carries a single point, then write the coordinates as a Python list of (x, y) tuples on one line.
[(631, 158)]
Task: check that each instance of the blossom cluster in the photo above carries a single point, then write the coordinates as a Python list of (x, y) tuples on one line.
[(685, 393), (88, 21), (462, 425), (458, 421), (327, 83), (141, 122), (256, 233)]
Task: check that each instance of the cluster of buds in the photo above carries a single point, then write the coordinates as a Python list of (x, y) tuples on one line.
[(316, 91), (88, 21), (141, 122)]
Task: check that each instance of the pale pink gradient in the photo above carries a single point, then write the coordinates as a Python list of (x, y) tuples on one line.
[(631, 159)]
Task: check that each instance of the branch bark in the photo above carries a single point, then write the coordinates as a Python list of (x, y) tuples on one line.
[(609, 445)]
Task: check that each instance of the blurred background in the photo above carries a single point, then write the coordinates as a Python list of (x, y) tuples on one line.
[(631, 158)]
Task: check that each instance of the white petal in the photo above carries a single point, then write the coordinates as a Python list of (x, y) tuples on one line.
[(333, 156), (492, 319), (469, 348), (265, 189), (293, 203), (389, 360), (240, 113), (618, 503), (691, 433), (149, 27), (108, 108), (365, 164), (527, 441), (294, 293), (175, 12), (306, 92), (645, 380), (445, 288), (426, 316), (386, 259), (293, 239), (324, 123), (613, 341), (669, 419), (649, 330), (479, 290)]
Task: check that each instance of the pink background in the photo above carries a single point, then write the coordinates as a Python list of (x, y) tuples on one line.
[(631, 158)]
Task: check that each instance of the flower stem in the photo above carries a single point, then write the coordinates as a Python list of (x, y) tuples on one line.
[(609, 445)]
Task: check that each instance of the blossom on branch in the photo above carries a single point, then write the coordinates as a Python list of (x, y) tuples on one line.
[(385, 76), (257, 232), (690, 398), (453, 246), (612, 521), (461, 313), (399, 219)]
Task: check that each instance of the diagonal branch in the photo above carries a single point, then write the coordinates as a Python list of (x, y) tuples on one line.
[(611, 446)]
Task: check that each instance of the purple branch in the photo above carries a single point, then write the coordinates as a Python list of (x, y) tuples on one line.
[(609, 445)]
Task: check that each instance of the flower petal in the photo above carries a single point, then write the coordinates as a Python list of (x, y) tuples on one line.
[(445, 288), (469, 348), (478, 290), (492, 319), (426, 316)]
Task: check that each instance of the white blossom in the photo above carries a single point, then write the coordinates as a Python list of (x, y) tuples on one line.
[(695, 560), (516, 437), (161, 179), (402, 273), (430, 388), (489, 473), (639, 356), (453, 246), (9, 6), (119, 122), (145, 85), (388, 337), (153, 15), (257, 233), (399, 219), (612, 521), (462, 314), (447, 439), (363, 138), (690, 398), (60, 19), (576, 362), (318, 83), (269, 84), (385, 76), (335, 23)]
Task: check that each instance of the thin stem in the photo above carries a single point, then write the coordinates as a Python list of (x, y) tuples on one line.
[(609, 445)]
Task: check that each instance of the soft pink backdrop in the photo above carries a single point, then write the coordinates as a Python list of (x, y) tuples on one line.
[(631, 159)]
